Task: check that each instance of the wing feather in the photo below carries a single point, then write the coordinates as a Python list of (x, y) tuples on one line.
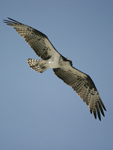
[(36, 39), (84, 87)]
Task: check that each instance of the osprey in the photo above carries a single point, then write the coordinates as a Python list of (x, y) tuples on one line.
[(62, 67)]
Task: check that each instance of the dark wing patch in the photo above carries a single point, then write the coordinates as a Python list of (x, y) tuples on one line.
[(84, 87), (37, 40)]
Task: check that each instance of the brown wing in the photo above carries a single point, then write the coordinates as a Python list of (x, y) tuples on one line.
[(37, 40), (84, 87)]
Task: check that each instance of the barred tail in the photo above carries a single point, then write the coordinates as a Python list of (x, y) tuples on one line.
[(37, 65)]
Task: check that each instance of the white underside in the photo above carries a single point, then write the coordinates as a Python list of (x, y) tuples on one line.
[(53, 62)]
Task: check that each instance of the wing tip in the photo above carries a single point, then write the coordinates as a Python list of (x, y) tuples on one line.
[(9, 21), (96, 113)]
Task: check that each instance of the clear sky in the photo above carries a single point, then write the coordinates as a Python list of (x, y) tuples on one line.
[(39, 111)]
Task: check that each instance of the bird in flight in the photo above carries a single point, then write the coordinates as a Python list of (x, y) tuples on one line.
[(62, 67)]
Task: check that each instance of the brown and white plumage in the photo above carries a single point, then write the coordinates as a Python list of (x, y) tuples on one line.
[(62, 67)]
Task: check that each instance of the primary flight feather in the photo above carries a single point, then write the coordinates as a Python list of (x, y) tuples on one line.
[(62, 67)]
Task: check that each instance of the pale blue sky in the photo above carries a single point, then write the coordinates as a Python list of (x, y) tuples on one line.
[(39, 111)]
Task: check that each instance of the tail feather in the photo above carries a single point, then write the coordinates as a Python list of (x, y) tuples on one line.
[(37, 65)]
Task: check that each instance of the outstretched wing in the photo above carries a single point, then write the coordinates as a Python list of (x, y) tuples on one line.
[(84, 87), (37, 40)]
